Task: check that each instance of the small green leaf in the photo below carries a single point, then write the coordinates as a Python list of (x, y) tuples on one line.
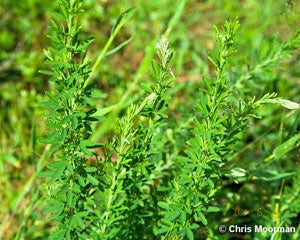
[(58, 173), (194, 226), (81, 181), (9, 158), (122, 20), (212, 60), (98, 94), (156, 68), (74, 121), (54, 148), (58, 235), (92, 180), (184, 179), (189, 234), (212, 209), (70, 167), (173, 215), (163, 229), (66, 119), (85, 44), (46, 72), (86, 144), (146, 88), (70, 198), (287, 146), (54, 206), (68, 235), (85, 150), (76, 188), (48, 105), (88, 100), (201, 217), (166, 222), (53, 136), (78, 221), (182, 217), (91, 169), (47, 174), (164, 205), (56, 164)]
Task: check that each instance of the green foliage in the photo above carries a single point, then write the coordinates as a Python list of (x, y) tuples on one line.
[(215, 137), (147, 155), (263, 70), (129, 201), (71, 181)]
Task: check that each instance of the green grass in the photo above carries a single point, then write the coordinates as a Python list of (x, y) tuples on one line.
[(254, 175)]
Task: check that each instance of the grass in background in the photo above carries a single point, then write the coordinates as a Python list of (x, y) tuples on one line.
[(266, 27)]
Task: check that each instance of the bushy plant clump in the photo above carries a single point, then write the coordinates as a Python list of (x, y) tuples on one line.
[(134, 186)]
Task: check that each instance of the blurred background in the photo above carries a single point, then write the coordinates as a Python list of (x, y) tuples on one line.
[(267, 60)]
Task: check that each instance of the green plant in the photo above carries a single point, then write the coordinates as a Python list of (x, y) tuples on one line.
[(71, 182), (285, 207), (124, 194), (264, 70), (129, 202), (221, 120), (257, 180)]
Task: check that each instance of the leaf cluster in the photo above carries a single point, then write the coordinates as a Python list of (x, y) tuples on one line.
[(129, 201), (71, 181), (123, 194)]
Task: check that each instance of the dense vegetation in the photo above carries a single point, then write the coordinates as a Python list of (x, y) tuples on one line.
[(149, 119)]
